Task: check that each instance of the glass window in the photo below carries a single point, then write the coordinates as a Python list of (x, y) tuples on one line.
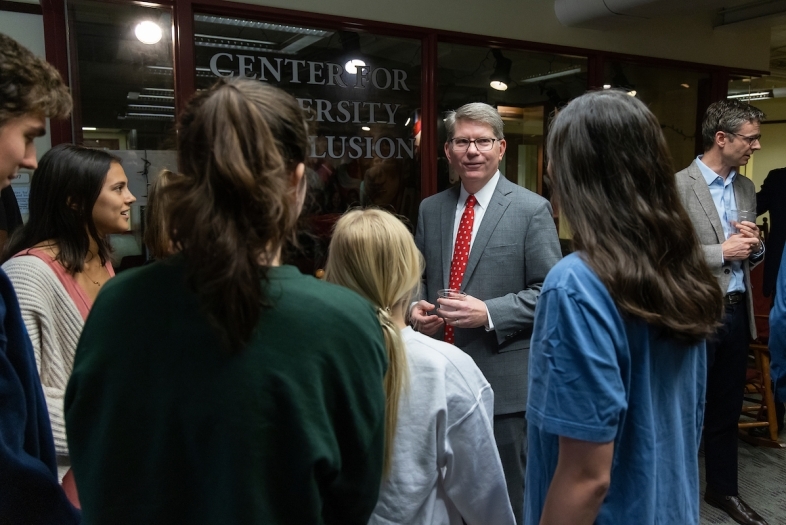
[(524, 86), (363, 95), (673, 96), (124, 100)]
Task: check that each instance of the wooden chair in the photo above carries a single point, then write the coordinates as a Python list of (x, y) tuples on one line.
[(758, 410)]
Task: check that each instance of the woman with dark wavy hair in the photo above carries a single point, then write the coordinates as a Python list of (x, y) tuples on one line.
[(59, 260), (618, 361), (240, 391)]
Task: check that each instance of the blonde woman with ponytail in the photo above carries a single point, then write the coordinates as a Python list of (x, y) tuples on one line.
[(441, 462)]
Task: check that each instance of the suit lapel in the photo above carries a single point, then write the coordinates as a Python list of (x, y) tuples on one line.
[(448, 218), (702, 192), (491, 217)]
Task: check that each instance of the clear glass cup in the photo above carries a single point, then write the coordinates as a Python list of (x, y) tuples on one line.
[(449, 293)]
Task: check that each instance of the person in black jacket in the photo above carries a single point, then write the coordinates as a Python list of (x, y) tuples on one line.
[(772, 198)]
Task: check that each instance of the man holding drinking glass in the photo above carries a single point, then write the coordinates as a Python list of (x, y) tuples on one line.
[(488, 245), (721, 204)]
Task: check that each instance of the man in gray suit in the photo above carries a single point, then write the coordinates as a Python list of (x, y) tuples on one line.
[(711, 189), (512, 245)]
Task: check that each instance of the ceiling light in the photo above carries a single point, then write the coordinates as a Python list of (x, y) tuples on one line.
[(260, 25), (85, 128), (352, 66), (500, 78), (366, 128), (606, 86), (554, 74), (632, 92), (148, 32), (233, 39), (686, 86), (756, 95)]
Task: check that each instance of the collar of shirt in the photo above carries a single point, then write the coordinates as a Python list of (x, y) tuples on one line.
[(710, 176), (483, 195)]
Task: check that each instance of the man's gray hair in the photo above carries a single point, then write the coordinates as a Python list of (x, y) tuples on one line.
[(727, 115), (475, 112)]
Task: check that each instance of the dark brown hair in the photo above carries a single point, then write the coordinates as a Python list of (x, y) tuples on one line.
[(613, 176), (727, 115), (63, 192), (232, 205), (29, 84)]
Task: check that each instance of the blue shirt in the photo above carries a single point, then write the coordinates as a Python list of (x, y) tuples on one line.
[(722, 192), (29, 489), (777, 342), (596, 376)]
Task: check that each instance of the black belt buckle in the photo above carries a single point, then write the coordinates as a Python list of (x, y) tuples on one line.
[(733, 298)]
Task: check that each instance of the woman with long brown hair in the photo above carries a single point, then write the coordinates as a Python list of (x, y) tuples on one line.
[(235, 389), (618, 361), (59, 261)]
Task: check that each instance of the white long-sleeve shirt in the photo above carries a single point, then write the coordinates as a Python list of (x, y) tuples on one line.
[(445, 462)]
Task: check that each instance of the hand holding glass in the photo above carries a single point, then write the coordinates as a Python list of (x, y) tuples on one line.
[(448, 293), (737, 216)]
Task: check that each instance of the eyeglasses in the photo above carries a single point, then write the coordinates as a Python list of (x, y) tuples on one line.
[(482, 144), (749, 140)]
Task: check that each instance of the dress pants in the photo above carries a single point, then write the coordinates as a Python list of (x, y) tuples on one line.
[(727, 355), (510, 432)]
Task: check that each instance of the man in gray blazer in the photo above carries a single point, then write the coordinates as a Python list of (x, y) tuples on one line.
[(711, 190), (513, 245)]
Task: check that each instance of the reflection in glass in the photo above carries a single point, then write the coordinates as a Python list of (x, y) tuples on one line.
[(362, 94), (535, 85), (673, 97), (124, 98)]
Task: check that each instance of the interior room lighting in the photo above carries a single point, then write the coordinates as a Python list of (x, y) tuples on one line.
[(366, 128), (500, 78), (555, 74), (86, 128), (606, 86), (686, 86), (756, 95), (632, 92), (260, 25), (352, 66), (408, 121), (148, 32)]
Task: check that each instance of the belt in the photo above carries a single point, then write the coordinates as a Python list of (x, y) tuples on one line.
[(733, 298)]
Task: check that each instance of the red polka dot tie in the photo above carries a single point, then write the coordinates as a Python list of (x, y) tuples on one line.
[(461, 254)]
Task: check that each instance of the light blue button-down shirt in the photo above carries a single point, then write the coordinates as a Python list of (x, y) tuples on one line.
[(722, 192)]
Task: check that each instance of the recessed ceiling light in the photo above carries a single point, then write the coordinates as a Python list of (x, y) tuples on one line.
[(352, 66), (148, 32)]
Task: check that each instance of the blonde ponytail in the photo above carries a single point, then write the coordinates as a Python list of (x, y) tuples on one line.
[(374, 254), (396, 379)]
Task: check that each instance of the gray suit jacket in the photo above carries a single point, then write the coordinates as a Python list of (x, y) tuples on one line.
[(695, 196), (515, 247)]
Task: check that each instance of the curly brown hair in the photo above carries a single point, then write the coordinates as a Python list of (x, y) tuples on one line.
[(29, 84)]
